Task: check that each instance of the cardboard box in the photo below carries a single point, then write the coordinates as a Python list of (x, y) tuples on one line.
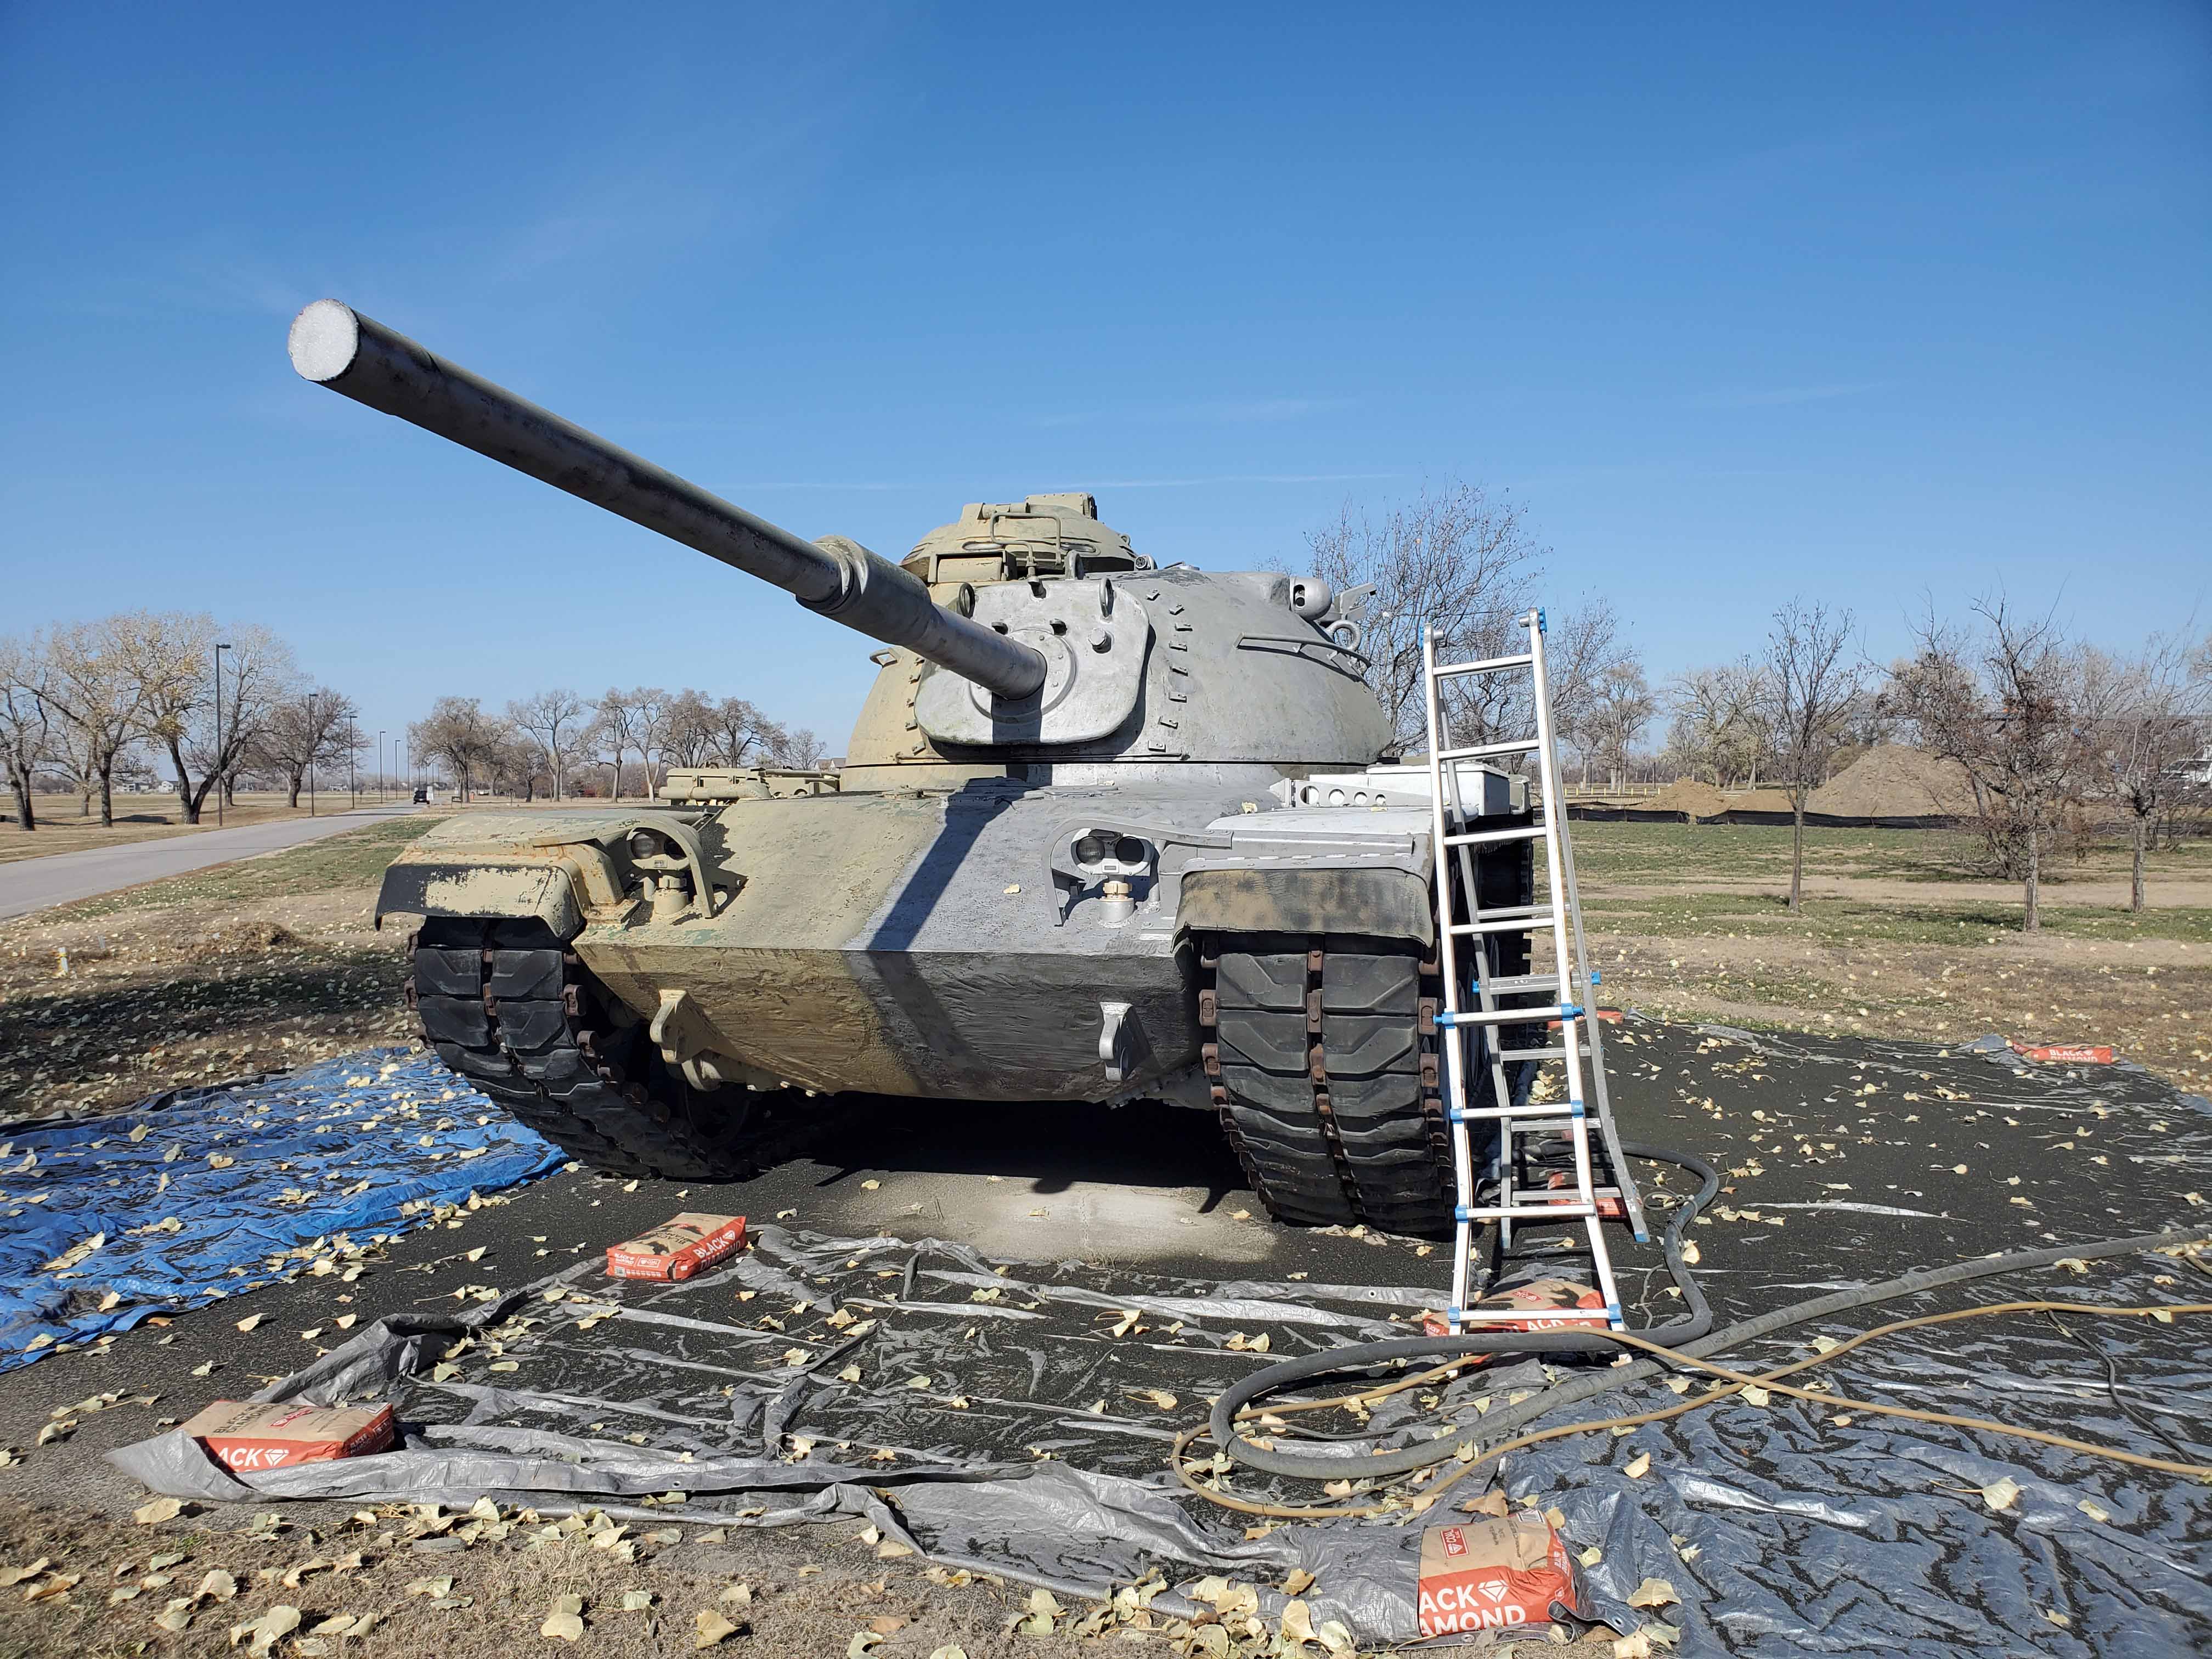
[(2066, 1053), (1551, 1304), (1482, 1574), (679, 1248), (273, 1435)]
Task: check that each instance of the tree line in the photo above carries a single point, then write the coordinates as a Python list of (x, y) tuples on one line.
[(88, 706), (2042, 727), (559, 743)]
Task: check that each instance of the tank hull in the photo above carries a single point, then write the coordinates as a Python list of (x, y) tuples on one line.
[(907, 943)]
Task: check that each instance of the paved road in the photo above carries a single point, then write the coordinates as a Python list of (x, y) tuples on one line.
[(29, 885)]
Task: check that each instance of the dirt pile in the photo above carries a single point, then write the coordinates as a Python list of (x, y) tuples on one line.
[(1760, 800), (1893, 780), (1692, 795)]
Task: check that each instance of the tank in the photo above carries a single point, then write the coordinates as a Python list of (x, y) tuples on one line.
[(1105, 831)]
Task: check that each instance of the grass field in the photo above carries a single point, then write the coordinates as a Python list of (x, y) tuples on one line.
[(1903, 933), (141, 818)]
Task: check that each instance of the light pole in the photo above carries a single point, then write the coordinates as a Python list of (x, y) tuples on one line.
[(219, 650), (379, 762), (353, 748), (314, 742)]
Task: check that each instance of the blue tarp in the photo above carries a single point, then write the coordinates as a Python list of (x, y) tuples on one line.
[(206, 1193)]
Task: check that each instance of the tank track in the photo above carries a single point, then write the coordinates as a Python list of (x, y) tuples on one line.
[(519, 1018), (1322, 1056)]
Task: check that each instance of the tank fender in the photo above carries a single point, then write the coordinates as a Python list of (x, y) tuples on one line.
[(562, 869), (1307, 870), (466, 887)]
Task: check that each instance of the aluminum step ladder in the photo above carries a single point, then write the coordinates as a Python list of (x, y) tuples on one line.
[(1570, 1004)]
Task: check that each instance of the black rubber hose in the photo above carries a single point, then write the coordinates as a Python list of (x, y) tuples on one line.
[(1499, 1424), (1360, 1356)]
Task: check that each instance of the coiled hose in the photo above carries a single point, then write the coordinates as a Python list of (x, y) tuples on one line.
[(1678, 1341), (1673, 1334)]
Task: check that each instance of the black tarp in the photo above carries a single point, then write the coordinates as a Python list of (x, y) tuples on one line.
[(1002, 1415)]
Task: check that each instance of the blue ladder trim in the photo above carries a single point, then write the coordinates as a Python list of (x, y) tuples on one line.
[(1613, 1314), (1574, 1110), (1597, 979), (1539, 620), (1571, 1011), (1463, 1212)]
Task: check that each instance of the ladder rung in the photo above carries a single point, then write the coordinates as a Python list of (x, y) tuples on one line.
[(1501, 924), (1487, 665), (1556, 1051), (1509, 984), (1509, 1016), (1491, 1114), (1535, 1315), (1484, 837), (1574, 1212), (1483, 751)]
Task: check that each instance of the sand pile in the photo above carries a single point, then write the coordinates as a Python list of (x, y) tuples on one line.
[(1692, 795), (1893, 780)]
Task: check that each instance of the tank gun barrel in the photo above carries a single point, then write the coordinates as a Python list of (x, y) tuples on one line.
[(336, 346)]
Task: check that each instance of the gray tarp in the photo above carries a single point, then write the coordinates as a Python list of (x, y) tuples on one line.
[(1021, 1437)]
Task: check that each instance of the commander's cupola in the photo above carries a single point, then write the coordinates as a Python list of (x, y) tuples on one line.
[(1039, 536)]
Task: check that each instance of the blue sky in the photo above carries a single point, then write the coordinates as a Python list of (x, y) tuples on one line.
[(1848, 301)]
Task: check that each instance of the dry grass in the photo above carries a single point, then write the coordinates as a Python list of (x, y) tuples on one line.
[(1902, 936), (221, 973), (139, 817)]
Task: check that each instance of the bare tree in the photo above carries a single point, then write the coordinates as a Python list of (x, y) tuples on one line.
[(740, 728), (1814, 682), (690, 734), (2149, 716), (1721, 719), (555, 721), (1580, 649), (513, 760), (648, 705), (257, 672), (25, 718), (618, 727), (303, 730), (2004, 701), (1459, 561), (100, 686), (1623, 709), (457, 731), (795, 747)]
